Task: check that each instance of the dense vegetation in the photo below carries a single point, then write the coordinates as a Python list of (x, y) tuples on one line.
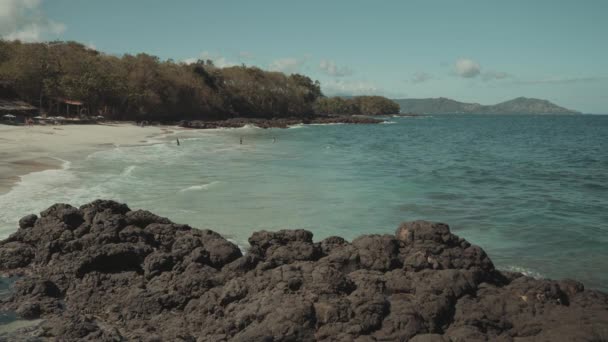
[(368, 105), (145, 87)]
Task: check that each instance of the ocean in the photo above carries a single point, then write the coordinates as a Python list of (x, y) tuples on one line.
[(531, 190)]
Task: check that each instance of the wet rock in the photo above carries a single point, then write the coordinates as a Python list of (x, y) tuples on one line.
[(330, 243), (156, 263), (377, 252), (29, 310), (63, 213), (106, 273), (14, 255), (142, 218), (28, 221), (284, 246)]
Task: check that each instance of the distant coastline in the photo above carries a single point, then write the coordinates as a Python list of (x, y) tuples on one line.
[(520, 105)]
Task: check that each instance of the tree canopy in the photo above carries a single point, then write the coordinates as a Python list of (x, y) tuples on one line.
[(144, 87), (366, 105)]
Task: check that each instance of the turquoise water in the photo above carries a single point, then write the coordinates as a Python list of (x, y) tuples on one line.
[(531, 190)]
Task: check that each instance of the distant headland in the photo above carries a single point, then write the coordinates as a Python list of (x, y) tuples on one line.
[(520, 105)]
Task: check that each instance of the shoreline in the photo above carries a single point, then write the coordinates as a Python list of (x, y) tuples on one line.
[(25, 150), (279, 122)]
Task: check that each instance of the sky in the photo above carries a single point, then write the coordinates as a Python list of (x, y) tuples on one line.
[(473, 51)]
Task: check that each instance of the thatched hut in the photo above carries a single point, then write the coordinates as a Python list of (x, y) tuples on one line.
[(69, 107)]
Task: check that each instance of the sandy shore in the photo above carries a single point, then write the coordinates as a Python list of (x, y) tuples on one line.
[(29, 149)]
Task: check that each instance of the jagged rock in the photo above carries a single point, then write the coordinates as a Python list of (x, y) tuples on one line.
[(105, 272), (14, 255)]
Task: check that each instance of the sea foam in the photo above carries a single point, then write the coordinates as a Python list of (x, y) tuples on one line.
[(199, 187)]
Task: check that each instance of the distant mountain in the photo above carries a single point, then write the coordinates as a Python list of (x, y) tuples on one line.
[(442, 105)]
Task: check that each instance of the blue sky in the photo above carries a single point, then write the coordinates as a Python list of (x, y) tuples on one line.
[(477, 51)]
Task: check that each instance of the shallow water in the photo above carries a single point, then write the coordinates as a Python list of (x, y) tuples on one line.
[(531, 190)]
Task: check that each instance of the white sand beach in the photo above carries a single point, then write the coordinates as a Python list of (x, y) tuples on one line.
[(29, 149)]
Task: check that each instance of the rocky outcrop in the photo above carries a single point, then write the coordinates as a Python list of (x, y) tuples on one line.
[(278, 122), (103, 272)]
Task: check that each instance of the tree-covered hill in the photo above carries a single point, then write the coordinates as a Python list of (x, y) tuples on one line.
[(367, 105), (144, 87)]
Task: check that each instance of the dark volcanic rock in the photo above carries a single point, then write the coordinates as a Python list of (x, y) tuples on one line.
[(104, 272), (28, 221), (278, 122)]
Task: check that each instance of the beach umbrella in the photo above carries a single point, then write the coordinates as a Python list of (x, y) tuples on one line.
[(9, 116)]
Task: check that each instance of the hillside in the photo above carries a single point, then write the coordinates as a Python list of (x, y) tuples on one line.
[(144, 87), (520, 105)]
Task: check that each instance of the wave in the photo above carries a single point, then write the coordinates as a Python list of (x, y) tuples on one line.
[(388, 122), (32, 189), (244, 249), (128, 170), (327, 124), (199, 187), (65, 164), (191, 139), (248, 126), (37, 190), (300, 125), (525, 271)]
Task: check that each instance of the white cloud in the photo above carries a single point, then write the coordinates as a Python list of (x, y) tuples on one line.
[(288, 65), (24, 20), (331, 69), (467, 68), (420, 77), (341, 87), (218, 60)]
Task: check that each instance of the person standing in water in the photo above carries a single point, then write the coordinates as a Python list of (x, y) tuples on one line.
[(241, 141), (274, 139), (177, 139)]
